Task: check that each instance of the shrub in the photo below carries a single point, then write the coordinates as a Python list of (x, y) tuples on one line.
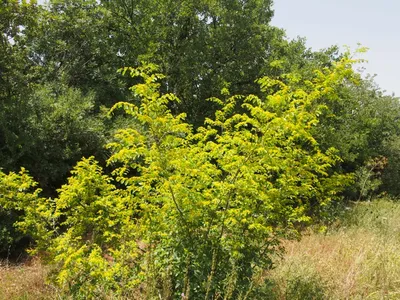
[(193, 214), (17, 194)]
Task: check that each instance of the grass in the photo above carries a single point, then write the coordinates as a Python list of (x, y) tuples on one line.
[(25, 281), (356, 258)]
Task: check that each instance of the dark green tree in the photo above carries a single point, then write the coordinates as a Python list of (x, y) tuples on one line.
[(363, 124)]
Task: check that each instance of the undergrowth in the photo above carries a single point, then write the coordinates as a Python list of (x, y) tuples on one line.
[(356, 258)]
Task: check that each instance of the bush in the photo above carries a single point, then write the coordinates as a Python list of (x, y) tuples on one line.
[(192, 214), (16, 191)]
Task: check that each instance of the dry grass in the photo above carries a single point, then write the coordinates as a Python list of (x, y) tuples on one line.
[(358, 260), (26, 281)]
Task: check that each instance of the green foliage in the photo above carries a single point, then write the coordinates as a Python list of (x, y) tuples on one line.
[(200, 192), (48, 127), (68, 50), (391, 174), (63, 128), (198, 213), (72, 44), (58, 129), (201, 47), (368, 177), (362, 124), (17, 195), (15, 17)]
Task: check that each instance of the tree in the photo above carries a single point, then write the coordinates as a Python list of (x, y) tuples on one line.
[(46, 125), (197, 213), (201, 46), (63, 129), (362, 124), (15, 17), (204, 46), (79, 45), (74, 45)]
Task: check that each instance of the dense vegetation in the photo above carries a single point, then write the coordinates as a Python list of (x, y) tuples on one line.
[(355, 258), (182, 179)]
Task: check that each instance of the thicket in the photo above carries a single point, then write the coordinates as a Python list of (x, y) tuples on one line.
[(189, 212), (191, 181)]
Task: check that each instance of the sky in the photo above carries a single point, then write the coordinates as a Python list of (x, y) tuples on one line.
[(374, 24)]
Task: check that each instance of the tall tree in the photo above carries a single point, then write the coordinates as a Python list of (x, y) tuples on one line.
[(201, 46), (73, 45), (15, 85), (46, 125), (204, 46), (362, 124)]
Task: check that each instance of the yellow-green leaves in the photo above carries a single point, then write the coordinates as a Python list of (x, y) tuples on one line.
[(200, 212), (220, 198)]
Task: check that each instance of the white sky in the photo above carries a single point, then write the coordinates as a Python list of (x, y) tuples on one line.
[(374, 24)]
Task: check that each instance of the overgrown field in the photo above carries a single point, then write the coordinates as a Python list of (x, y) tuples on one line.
[(358, 258), (355, 258)]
